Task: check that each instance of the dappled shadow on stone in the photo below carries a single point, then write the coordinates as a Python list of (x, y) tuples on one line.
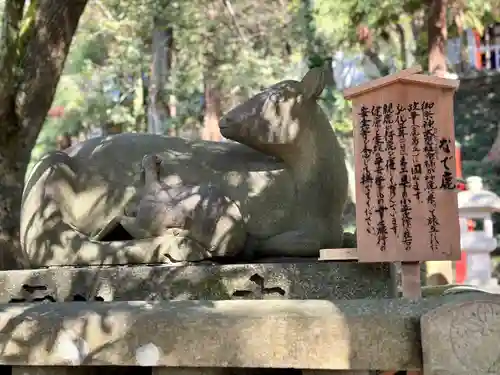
[(288, 279), (209, 282)]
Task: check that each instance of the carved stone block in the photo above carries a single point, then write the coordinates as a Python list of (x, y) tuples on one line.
[(292, 280), (39, 370), (189, 371), (335, 372), (80, 370), (462, 338)]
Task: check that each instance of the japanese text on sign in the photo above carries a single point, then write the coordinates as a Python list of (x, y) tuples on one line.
[(400, 153)]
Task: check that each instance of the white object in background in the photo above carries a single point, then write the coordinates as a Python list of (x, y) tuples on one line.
[(478, 204)]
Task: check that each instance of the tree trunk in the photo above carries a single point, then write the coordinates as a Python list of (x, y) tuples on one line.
[(212, 113), (11, 186), (172, 108), (374, 57), (402, 45), (30, 67), (212, 109), (162, 52), (459, 17), (417, 24), (365, 38), (437, 36), (170, 101), (141, 110)]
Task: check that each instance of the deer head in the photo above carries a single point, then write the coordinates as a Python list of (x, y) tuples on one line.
[(277, 116)]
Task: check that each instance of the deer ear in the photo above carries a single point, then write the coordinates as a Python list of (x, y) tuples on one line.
[(315, 81)]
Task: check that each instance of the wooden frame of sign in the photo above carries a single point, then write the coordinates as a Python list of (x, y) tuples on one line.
[(406, 201)]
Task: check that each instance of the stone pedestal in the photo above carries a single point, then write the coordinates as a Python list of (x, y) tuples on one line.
[(477, 204), (190, 371), (34, 370), (478, 246), (290, 280), (461, 338), (478, 268), (335, 372), (209, 284)]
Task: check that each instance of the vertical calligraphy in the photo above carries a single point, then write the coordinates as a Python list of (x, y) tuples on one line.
[(430, 151), (378, 149), (416, 169), (366, 176), (404, 178), (388, 110)]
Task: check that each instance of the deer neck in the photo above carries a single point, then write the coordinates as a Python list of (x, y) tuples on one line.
[(151, 184), (315, 151), (319, 173)]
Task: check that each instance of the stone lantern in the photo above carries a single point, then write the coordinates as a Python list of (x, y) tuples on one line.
[(477, 204)]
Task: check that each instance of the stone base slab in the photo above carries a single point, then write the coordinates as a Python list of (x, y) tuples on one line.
[(462, 338), (291, 280), (331, 335), (107, 370)]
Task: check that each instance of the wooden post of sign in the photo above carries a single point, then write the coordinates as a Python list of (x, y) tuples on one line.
[(406, 204), (410, 280)]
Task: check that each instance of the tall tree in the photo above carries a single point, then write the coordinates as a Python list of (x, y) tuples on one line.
[(211, 90), (162, 42), (437, 36), (35, 40)]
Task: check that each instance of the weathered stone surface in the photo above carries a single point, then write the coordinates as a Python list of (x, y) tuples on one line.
[(189, 371), (335, 372), (462, 338), (81, 370), (335, 335), (299, 280), (225, 371), (28, 370)]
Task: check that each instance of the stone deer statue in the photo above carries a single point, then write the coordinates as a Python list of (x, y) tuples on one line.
[(285, 173)]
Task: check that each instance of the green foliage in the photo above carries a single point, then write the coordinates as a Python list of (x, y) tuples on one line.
[(341, 119), (338, 21), (476, 120), (476, 127), (316, 61), (243, 45)]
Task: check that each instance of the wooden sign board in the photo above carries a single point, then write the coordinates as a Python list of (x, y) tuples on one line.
[(406, 200)]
